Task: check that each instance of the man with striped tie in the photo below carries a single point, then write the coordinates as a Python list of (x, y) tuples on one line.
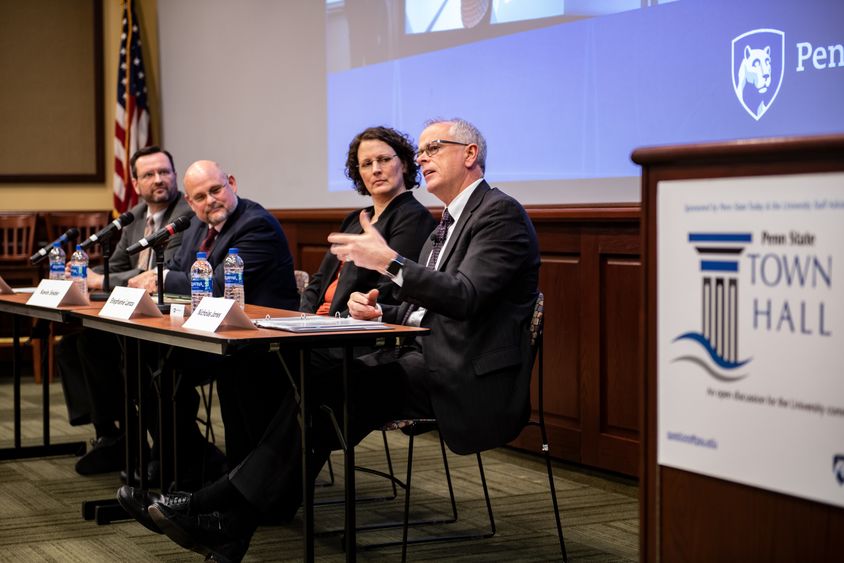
[(86, 358)]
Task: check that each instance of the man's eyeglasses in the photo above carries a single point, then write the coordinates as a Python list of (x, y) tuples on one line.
[(434, 147), (213, 191), (382, 161), (149, 176)]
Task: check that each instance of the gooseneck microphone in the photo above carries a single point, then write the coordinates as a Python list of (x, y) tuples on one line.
[(160, 235), (107, 231), (71, 235)]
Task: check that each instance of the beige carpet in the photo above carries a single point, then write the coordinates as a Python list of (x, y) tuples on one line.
[(40, 505)]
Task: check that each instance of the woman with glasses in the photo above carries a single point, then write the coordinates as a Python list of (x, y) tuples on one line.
[(381, 164)]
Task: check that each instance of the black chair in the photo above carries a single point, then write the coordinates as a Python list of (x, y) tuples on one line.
[(536, 341)]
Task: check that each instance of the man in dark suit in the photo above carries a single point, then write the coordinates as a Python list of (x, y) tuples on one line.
[(247, 383), (228, 221), (86, 358), (475, 292)]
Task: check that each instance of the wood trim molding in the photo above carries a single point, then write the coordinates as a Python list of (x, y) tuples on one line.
[(763, 150), (537, 213)]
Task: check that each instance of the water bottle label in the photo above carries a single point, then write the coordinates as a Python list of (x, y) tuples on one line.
[(78, 271), (234, 278), (200, 285), (57, 268)]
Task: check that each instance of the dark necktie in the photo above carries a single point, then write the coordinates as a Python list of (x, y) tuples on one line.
[(439, 235), (208, 241)]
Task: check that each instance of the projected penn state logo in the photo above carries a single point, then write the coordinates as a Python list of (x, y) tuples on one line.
[(758, 69), (715, 348), (838, 468)]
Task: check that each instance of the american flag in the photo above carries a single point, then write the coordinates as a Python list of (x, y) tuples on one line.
[(131, 127)]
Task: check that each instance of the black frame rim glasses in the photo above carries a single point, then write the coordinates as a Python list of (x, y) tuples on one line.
[(433, 147)]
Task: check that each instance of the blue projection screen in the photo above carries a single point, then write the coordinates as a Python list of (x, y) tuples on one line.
[(569, 97)]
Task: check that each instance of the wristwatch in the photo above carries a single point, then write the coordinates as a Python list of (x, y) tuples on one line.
[(395, 266)]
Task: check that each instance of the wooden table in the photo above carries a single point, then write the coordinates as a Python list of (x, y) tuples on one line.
[(16, 305), (169, 331)]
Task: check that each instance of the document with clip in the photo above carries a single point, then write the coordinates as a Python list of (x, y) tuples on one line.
[(317, 323)]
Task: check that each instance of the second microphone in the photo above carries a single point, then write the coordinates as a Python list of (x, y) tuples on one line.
[(160, 235)]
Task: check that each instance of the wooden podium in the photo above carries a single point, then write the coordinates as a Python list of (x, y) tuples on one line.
[(687, 516)]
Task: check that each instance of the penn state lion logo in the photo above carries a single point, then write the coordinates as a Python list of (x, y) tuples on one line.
[(758, 68)]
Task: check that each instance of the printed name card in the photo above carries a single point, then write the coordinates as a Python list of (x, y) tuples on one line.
[(129, 302), (4, 287), (53, 293), (215, 312)]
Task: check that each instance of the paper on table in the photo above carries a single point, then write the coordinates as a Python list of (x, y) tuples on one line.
[(317, 323)]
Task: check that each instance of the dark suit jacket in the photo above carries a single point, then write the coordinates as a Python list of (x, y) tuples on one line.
[(479, 305), (123, 267), (405, 224), (268, 267)]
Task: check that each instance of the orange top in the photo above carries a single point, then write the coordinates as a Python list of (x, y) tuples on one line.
[(329, 294)]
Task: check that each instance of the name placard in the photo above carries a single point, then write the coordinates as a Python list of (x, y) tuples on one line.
[(212, 313), (129, 302), (4, 287), (53, 293)]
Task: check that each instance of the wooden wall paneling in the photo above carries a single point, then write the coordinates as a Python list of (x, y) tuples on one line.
[(559, 281), (620, 302)]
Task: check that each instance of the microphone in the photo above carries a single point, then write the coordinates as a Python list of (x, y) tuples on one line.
[(160, 235), (107, 231), (71, 235)]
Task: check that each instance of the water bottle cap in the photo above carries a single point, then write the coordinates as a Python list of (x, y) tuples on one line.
[(232, 250), (201, 255), (78, 247), (57, 244)]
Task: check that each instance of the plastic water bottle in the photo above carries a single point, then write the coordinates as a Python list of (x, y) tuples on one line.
[(79, 269), (201, 274), (233, 268), (57, 262)]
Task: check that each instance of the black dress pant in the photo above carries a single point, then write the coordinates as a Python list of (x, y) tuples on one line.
[(387, 385), (91, 368)]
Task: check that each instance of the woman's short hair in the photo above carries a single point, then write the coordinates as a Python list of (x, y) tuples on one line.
[(398, 141)]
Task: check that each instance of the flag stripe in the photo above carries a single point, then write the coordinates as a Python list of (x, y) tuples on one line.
[(131, 115)]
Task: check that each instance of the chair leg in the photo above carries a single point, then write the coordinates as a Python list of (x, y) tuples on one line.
[(486, 497), (407, 499), (450, 484), (554, 502), (389, 463)]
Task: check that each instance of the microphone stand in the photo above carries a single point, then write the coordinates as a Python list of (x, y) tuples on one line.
[(159, 264), (103, 295)]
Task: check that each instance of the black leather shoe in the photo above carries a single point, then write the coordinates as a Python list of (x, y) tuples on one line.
[(219, 537), (106, 455), (137, 501)]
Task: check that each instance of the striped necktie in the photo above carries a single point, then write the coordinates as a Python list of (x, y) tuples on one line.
[(146, 253)]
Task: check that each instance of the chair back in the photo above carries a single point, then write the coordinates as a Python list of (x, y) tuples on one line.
[(88, 223), (537, 321), (17, 244), (302, 280), (17, 237)]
